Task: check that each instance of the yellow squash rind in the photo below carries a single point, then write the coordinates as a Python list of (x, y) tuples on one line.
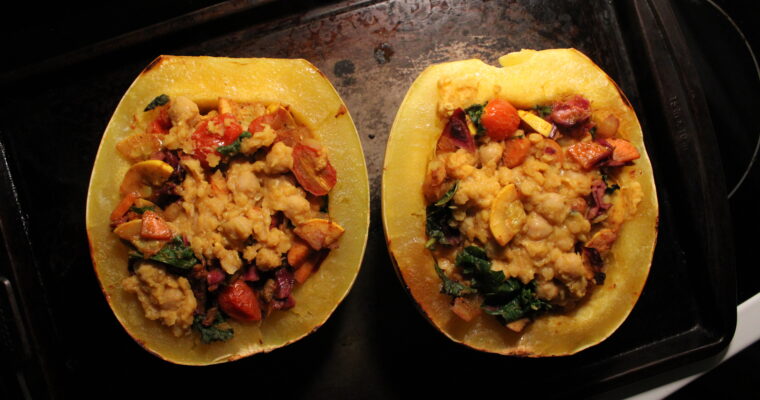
[(527, 78), (316, 104)]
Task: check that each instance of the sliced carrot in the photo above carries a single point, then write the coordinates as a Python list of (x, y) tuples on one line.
[(154, 227), (623, 151), (515, 151), (124, 206), (298, 253), (587, 154), (309, 266)]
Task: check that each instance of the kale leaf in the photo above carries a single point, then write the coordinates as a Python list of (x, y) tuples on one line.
[(509, 299), (141, 210), (451, 286), (524, 304), (611, 188), (543, 111), (174, 253), (234, 147), (158, 101), (212, 333), (438, 218), (477, 267), (475, 112)]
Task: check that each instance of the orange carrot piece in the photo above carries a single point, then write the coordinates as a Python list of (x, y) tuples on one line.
[(587, 154), (303, 272), (309, 266), (623, 150), (299, 252), (515, 151), (124, 206), (154, 227)]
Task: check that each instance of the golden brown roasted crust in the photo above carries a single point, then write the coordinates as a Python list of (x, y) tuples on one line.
[(526, 79), (204, 80)]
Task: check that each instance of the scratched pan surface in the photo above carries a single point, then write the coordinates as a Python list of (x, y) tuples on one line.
[(376, 345)]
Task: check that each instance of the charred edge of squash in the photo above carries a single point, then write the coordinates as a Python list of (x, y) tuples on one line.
[(153, 64), (342, 110), (622, 95), (312, 66)]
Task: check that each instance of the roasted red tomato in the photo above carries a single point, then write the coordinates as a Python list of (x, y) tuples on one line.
[(239, 301), (275, 120), (162, 123), (313, 170), (207, 142), (500, 119)]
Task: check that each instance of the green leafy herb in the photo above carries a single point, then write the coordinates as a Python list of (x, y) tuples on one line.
[(509, 299), (543, 111), (214, 332), (475, 112), (141, 210), (451, 286), (443, 201), (438, 218), (524, 304), (158, 101), (174, 253), (610, 188), (234, 147), (476, 266)]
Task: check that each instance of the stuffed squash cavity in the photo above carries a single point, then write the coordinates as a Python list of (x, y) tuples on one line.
[(533, 226), (228, 206)]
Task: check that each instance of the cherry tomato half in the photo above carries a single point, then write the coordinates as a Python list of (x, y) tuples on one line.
[(207, 142), (315, 175), (239, 301), (500, 119)]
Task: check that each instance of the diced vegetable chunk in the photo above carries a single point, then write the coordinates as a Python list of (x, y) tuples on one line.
[(588, 154), (516, 150), (507, 215), (319, 233), (539, 124), (149, 172), (154, 227), (623, 151)]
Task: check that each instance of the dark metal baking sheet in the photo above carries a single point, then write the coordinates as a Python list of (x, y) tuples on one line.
[(376, 345)]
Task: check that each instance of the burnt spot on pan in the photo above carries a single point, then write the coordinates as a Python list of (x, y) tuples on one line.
[(383, 53), (344, 69)]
